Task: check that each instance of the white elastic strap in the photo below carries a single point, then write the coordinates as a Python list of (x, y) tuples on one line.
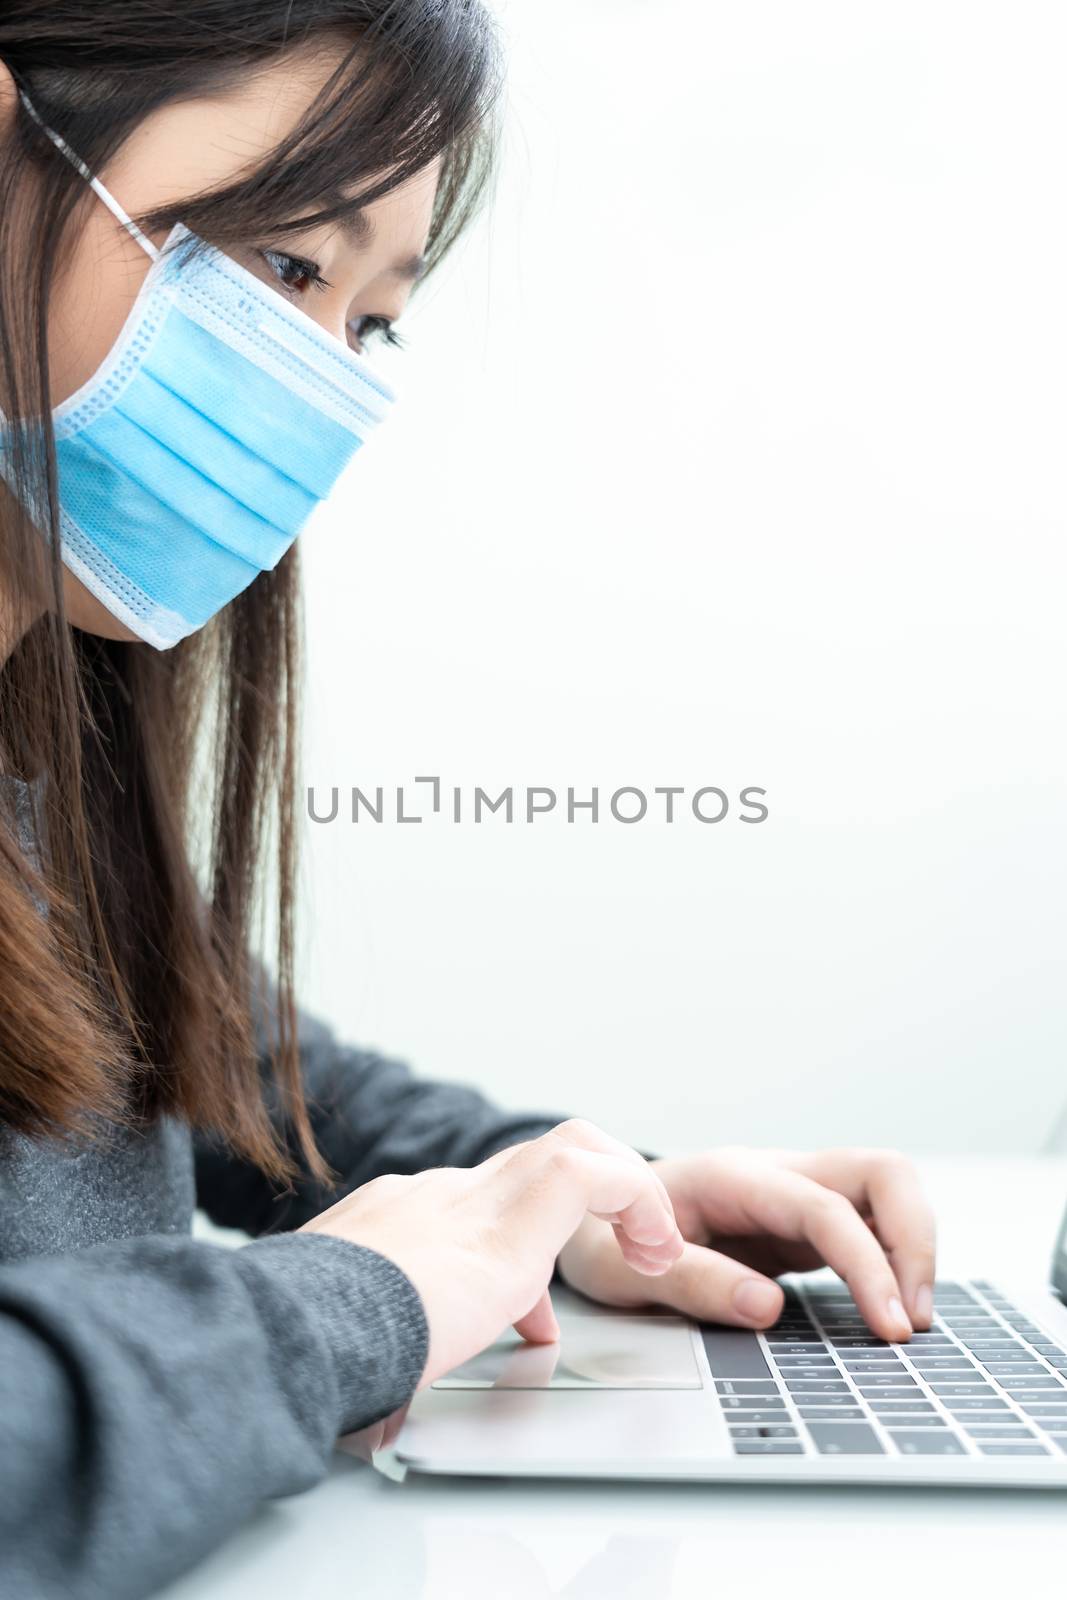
[(103, 194)]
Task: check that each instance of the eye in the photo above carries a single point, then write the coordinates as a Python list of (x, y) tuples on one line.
[(361, 330), (294, 273)]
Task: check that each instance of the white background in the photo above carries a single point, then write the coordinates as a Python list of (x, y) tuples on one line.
[(730, 451)]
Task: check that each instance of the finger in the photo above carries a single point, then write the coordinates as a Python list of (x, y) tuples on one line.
[(887, 1184), (553, 1182), (702, 1283), (539, 1325), (793, 1206), (587, 1136), (579, 1135)]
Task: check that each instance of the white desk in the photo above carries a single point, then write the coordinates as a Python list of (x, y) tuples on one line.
[(359, 1535)]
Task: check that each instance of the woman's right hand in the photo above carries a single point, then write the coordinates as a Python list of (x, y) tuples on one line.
[(480, 1243)]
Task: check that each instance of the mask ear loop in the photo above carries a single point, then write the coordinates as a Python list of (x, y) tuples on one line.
[(150, 250)]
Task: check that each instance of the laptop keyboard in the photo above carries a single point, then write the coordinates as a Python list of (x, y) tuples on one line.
[(985, 1381)]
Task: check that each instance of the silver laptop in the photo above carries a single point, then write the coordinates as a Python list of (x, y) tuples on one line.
[(981, 1398)]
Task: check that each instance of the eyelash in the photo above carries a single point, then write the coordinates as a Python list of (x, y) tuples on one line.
[(281, 263)]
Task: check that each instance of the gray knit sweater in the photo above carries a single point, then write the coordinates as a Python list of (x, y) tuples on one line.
[(154, 1388)]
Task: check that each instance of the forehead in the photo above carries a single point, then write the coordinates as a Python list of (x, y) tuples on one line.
[(190, 147), (394, 228)]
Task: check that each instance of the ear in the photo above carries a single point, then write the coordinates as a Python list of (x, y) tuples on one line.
[(9, 98)]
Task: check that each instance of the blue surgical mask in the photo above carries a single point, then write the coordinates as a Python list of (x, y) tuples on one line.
[(193, 457)]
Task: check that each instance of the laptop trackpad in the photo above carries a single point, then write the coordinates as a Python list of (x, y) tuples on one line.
[(594, 1352)]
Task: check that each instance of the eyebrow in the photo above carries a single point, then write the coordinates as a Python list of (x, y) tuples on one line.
[(359, 229), (409, 271)]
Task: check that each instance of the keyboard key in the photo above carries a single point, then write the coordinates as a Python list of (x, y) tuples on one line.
[(901, 1393), (779, 1350), (940, 1358), (860, 1344), (767, 1447), (1034, 1389), (926, 1443), (830, 1405), (845, 1439), (972, 1391), (777, 1432), (765, 1413), (746, 1402), (1047, 1380), (1014, 1450), (899, 1408), (871, 1384), (756, 1419), (1034, 1408), (1007, 1368), (924, 1340), (805, 1363), (747, 1386), (732, 1353), (862, 1365), (816, 1386), (958, 1363), (912, 1419), (1008, 1430), (955, 1404)]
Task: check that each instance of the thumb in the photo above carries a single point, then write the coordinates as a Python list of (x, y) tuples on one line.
[(702, 1284), (712, 1287), (539, 1325)]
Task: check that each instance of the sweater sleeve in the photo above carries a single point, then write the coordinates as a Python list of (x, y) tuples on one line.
[(127, 1450), (370, 1114)]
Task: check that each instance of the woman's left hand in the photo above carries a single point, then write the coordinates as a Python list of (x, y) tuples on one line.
[(748, 1215)]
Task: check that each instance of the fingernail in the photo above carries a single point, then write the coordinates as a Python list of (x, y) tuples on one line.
[(755, 1301), (898, 1315), (924, 1303), (671, 1227)]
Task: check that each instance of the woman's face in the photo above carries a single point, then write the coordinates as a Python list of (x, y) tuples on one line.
[(205, 144)]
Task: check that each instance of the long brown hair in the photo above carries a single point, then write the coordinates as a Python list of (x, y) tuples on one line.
[(131, 997)]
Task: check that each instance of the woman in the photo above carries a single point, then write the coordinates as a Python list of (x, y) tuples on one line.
[(207, 215)]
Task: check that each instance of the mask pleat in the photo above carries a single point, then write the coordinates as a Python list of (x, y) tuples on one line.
[(195, 573), (170, 481), (268, 418), (200, 444)]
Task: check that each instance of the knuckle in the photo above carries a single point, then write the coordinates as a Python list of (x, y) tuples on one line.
[(891, 1160), (564, 1163), (732, 1154), (577, 1130), (926, 1245), (389, 1186), (832, 1207)]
